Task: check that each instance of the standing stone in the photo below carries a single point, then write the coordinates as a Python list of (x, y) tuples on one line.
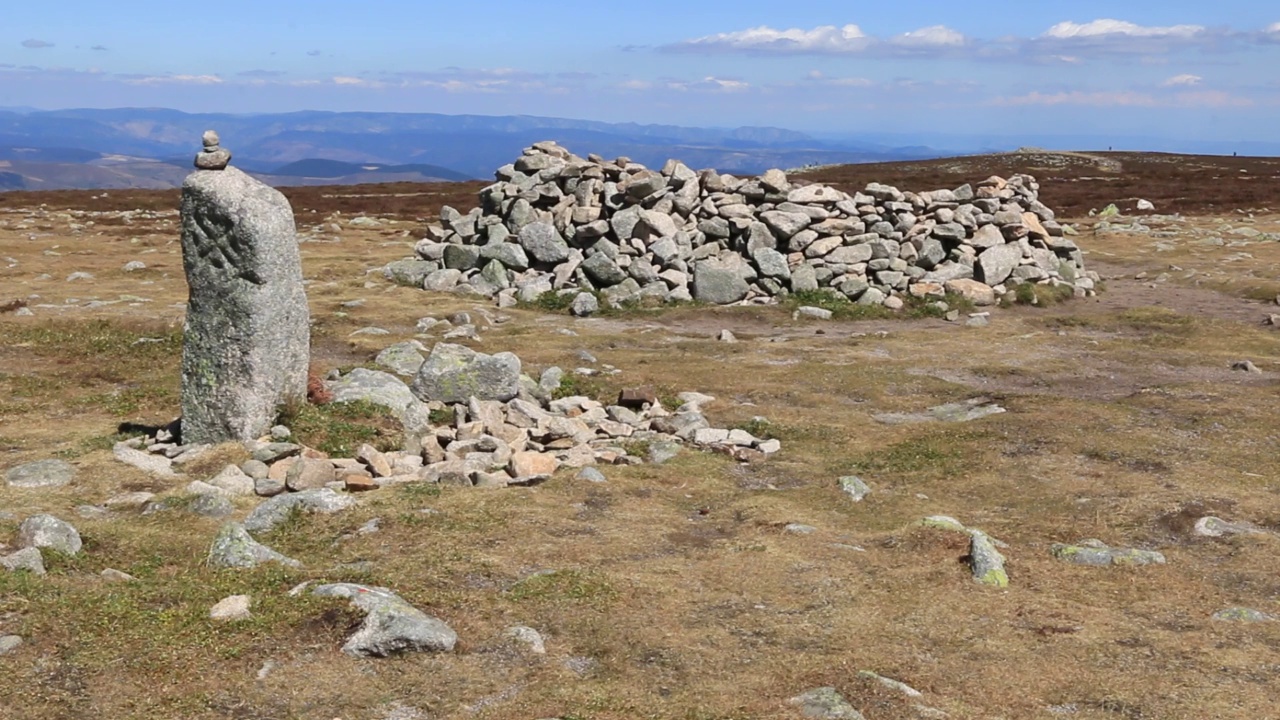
[(246, 342)]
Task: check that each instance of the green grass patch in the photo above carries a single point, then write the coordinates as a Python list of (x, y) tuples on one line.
[(564, 586), (340, 428)]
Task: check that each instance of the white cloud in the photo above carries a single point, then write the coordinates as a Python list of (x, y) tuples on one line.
[(933, 36), (1274, 28), (823, 39), (34, 44), (709, 84), (1186, 80), (1106, 27), (173, 79)]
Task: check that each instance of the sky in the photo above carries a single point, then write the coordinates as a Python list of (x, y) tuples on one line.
[(1132, 69)]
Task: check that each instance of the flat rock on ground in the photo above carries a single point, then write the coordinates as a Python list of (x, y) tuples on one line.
[(41, 473), (392, 625)]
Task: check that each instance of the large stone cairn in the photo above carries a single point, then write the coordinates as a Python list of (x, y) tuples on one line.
[(557, 222), (247, 339)]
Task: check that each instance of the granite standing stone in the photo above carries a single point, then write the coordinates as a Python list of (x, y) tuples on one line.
[(247, 341)]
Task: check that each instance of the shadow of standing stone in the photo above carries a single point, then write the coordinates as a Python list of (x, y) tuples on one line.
[(247, 342)]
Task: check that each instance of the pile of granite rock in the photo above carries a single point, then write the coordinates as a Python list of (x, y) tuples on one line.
[(469, 419), (556, 222)]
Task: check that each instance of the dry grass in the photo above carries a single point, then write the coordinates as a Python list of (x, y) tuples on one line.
[(678, 582)]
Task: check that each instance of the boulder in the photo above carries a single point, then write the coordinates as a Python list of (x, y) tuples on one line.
[(391, 625), (455, 373)]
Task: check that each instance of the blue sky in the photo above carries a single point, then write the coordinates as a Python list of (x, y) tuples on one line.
[(1176, 69)]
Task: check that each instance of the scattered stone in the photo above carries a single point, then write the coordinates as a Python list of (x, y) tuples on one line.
[(527, 636), (892, 684), (825, 703), (234, 548), (246, 342), (9, 643), (966, 411), (799, 529), (113, 575), (813, 313), (1210, 526), (591, 474), (233, 480), (726, 336), (235, 607), (1096, 553), (128, 501), (211, 506), (47, 531), (276, 510), (854, 487), (40, 474), (28, 559), (157, 465), (1146, 205), (1243, 614), (1246, 366), (392, 625), (986, 562)]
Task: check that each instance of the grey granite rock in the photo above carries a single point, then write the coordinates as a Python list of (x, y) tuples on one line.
[(717, 283), (825, 703), (374, 386), (234, 548), (9, 643), (455, 374), (855, 487), (40, 474), (1096, 553), (28, 559), (247, 339), (391, 625), (47, 531), (276, 510)]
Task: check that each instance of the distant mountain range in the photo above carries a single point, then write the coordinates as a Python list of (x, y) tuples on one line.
[(154, 147)]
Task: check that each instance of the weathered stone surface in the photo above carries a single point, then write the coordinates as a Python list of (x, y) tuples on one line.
[(157, 465), (271, 513), (997, 263), (28, 559), (825, 703), (234, 548), (40, 474), (9, 643), (233, 480), (855, 487), (402, 358), (455, 373), (309, 474), (375, 386), (544, 243), (978, 293), (246, 342), (392, 625), (986, 561), (717, 283), (584, 305), (235, 607), (1097, 553), (47, 531)]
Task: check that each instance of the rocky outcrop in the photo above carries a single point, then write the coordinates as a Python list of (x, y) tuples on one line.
[(555, 222)]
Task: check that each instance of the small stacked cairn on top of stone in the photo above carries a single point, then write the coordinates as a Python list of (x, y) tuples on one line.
[(247, 341), (556, 222), (213, 156)]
